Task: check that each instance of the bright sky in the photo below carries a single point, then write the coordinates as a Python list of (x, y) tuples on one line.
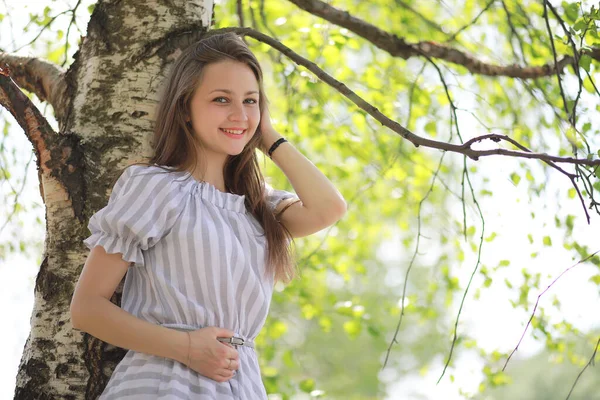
[(491, 319)]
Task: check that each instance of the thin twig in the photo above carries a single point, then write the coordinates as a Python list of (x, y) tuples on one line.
[(455, 34), (513, 31), (554, 55), (240, 12), (17, 195), (462, 302), (73, 16), (412, 261), (572, 115), (590, 362), (538, 300), (46, 26)]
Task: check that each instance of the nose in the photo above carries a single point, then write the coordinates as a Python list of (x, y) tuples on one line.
[(238, 112)]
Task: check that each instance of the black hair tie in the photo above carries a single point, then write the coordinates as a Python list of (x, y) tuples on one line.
[(275, 145)]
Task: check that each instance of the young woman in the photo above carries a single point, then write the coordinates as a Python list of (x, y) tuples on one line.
[(199, 236)]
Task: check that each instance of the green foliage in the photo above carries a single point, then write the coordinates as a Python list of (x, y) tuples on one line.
[(549, 374)]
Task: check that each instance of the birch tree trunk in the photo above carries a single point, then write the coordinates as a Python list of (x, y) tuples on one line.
[(105, 117)]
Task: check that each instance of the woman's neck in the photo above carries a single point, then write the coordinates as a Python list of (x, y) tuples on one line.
[(213, 174)]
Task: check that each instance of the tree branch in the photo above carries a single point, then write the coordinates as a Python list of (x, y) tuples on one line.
[(42, 78), (37, 129), (465, 149), (57, 156), (398, 47), (240, 12)]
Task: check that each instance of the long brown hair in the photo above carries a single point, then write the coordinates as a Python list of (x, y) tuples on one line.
[(175, 145)]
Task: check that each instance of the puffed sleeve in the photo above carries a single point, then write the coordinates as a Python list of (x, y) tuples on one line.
[(142, 208), (276, 196)]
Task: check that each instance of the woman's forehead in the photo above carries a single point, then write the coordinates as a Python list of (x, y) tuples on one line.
[(231, 77)]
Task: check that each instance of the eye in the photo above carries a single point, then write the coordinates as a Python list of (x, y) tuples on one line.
[(221, 100), (251, 101)]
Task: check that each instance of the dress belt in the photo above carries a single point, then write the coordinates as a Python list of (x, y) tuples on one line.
[(234, 340)]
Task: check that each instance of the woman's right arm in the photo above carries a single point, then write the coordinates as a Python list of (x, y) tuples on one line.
[(94, 313)]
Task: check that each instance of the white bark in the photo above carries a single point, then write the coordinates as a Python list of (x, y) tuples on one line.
[(113, 91)]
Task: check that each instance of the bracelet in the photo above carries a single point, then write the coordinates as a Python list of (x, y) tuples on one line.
[(275, 145), (189, 348)]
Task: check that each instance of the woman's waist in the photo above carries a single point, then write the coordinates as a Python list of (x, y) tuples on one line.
[(238, 338)]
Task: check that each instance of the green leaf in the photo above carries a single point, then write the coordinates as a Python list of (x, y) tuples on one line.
[(288, 358), (373, 331), (277, 329), (491, 237), (571, 11), (585, 61), (269, 371), (515, 178), (307, 385), (352, 328), (547, 241)]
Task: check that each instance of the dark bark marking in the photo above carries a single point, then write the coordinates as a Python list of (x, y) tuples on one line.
[(53, 288), (98, 26), (178, 38), (61, 369), (138, 114), (39, 374), (66, 164)]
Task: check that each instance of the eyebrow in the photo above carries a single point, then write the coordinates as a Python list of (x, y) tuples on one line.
[(230, 92)]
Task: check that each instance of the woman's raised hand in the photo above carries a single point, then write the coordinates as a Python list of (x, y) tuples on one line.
[(269, 134), (211, 358)]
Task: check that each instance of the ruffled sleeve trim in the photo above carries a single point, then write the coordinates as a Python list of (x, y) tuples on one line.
[(132, 253), (143, 207)]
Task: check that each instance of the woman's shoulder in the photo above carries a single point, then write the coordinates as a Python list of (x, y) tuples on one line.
[(143, 176), (146, 169), (157, 172)]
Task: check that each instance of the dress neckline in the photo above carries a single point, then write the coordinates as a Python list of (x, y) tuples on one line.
[(209, 192)]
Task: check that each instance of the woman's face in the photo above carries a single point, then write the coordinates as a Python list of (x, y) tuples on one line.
[(224, 109)]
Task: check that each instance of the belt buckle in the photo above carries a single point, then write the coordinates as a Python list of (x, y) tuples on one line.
[(234, 340), (237, 341)]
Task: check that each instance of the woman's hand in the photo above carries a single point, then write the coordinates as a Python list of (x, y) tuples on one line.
[(269, 134), (211, 358)]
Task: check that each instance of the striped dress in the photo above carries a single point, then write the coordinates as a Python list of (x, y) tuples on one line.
[(198, 260)]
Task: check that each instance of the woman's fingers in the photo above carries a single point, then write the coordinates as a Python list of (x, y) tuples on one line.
[(235, 365), (232, 354), (230, 364), (224, 375)]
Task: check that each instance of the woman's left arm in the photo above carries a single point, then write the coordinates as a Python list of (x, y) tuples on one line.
[(321, 203)]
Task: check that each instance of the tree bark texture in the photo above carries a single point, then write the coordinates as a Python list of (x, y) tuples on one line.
[(106, 123)]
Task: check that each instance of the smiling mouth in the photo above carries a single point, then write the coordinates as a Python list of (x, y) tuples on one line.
[(234, 132)]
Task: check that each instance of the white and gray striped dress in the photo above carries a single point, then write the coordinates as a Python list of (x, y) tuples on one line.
[(198, 261)]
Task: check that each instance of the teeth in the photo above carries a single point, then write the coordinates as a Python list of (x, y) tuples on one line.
[(233, 132)]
